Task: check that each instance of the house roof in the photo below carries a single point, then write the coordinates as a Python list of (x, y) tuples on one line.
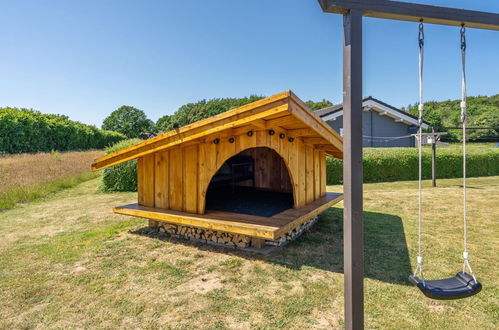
[(335, 111), (283, 111)]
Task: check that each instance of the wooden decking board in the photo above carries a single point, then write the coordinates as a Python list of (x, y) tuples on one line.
[(255, 226), (246, 218)]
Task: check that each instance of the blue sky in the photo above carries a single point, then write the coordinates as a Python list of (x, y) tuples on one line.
[(86, 58)]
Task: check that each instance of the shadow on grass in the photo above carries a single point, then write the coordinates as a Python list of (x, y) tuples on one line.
[(386, 257)]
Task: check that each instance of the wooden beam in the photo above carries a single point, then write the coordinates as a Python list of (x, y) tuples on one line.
[(281, 121), (312, 213), (325, 147), (316, 140), (411, 12), (329, 150), (334, 154), (244, 129), (198, 220), (301, 132), (313, 121), (260, 123)]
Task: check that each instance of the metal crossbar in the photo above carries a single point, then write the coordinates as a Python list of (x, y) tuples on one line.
[(412, 12)]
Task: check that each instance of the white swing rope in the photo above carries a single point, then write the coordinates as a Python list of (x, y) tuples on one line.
[(466, 263), (419, 268)]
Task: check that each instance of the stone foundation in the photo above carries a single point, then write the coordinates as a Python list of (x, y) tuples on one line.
[(228, 239)]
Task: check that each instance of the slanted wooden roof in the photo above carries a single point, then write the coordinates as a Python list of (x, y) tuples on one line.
[(284, 111)]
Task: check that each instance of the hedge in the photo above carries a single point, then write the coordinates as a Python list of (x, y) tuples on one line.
[(27, 131), (398, 164), (380, 165), (121, 177)]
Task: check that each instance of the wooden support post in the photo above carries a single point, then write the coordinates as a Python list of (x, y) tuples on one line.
[(257, 242), (352, 170)]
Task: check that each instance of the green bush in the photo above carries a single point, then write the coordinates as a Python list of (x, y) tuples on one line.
[(27, 131), (397, 164), (121, 177)]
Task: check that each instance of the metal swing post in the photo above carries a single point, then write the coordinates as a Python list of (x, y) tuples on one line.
[(353, 241), (353, 11)]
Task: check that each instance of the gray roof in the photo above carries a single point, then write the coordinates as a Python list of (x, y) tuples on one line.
[(339, 107), (326, 111)]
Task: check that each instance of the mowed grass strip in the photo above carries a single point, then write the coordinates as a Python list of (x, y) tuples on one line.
[(26, 177), (69, 262)]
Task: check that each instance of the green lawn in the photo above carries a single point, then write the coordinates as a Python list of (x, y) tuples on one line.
[(68, 261)]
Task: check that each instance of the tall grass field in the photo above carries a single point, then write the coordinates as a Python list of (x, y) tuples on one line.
[(25, 177)]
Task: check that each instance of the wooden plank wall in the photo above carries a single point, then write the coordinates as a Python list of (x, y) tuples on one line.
[(271, 173), (178, 178)]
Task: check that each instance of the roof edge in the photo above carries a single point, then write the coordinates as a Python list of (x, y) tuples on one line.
[(284, 102), (224, 115), (339, 107)]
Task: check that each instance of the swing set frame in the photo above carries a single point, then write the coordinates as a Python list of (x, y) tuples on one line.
[(353, 11)]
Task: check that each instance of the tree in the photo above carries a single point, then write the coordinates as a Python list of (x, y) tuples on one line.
[(163, 124), (319, 105), (192, 112), (483, 111), (128, 120)]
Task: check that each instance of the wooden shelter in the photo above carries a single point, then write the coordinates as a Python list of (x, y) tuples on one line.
[(258, 170)]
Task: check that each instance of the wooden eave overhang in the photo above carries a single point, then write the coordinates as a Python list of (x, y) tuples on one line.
[(284, 111)]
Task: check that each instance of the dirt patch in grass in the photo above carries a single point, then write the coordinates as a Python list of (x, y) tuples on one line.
[(201, 284), (68, 261)]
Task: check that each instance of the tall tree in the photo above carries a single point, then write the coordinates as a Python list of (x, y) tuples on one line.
[(483, 112), (128, 120), (191, 112), (319, 104), (163, 124)]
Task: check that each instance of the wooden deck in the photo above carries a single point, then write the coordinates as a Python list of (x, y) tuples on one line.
[(262, 227)]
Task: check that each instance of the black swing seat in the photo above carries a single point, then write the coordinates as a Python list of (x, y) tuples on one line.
[(460, 286)]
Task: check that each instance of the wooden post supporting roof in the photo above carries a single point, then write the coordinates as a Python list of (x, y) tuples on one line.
[(353, 10)]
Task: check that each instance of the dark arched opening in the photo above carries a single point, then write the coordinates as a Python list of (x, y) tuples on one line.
[(256, 181)]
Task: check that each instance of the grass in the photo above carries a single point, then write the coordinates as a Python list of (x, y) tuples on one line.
[(68, 262), (26, 177)]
